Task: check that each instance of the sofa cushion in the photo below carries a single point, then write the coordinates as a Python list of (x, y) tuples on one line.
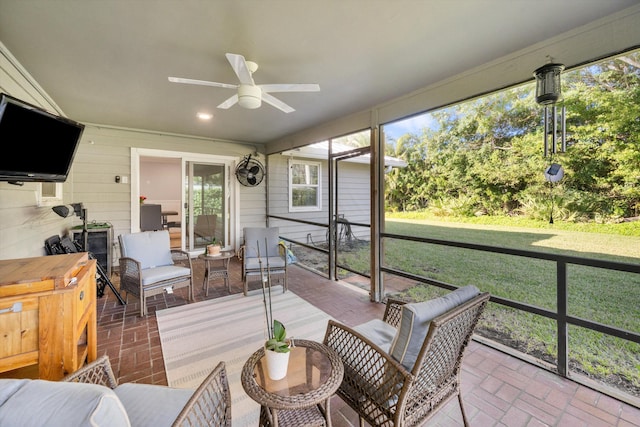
[(378, 331), (166, 272), (8, 388), (40, 403), (152, 405), (272, 261), (150, 248), (265, 239), (415, 320)]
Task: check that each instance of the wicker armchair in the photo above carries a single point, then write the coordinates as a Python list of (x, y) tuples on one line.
[(149, 266), (262, 252), (385, 392), (208, 405)]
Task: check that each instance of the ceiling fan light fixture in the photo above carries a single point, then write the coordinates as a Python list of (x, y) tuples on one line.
[(204, 116), (249, 96)]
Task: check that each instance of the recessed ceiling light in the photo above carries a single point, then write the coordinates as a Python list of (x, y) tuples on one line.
[(205, 116)]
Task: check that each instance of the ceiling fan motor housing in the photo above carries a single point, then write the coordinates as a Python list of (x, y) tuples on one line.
[(249, 96)]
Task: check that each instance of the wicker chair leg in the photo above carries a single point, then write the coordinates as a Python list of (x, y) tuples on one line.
[(361, 421), (464, 414)]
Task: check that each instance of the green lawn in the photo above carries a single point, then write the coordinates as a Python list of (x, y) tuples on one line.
[(608, 297)]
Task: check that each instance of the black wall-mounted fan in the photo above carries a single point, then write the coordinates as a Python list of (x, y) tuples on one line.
[(250, 172)]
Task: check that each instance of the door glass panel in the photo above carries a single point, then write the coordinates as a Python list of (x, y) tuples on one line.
[(207, 213)]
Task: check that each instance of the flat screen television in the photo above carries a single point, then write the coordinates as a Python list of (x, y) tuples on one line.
[(37, 146)]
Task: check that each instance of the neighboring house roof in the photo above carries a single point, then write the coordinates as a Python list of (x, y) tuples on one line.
[(319, 150)]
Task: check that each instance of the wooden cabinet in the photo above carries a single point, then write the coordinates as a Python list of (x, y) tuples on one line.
[(47, 315)]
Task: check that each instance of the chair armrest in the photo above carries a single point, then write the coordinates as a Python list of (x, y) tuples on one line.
[(370, 374), (241, 253), (97, 372), (130, 275), (129, 266), (210, 404), (180, 256), (393, 312), (282, 245), (179, 253)]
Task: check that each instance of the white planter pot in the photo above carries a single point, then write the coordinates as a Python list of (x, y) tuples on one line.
[(277, 364)]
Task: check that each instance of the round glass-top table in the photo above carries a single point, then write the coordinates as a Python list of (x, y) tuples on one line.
[(302, 397)]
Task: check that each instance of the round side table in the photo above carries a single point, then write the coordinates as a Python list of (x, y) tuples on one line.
[(302, 397), (216, 267)]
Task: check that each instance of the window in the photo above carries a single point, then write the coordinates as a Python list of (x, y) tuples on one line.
[(50, 193), (304, 186)]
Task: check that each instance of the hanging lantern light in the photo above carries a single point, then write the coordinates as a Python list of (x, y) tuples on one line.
[(548, 93), (548, 88)]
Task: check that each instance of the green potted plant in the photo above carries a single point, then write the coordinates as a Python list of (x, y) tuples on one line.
[(277, 350), (278, 341), (277, 347), (213, 247)]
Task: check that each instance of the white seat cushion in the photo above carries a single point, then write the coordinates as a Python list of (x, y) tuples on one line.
[(415, 320), (166, 272), (272, 261), (40, 403), (152, 405)]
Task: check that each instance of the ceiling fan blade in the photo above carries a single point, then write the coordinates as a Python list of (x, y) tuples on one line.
[(270, 99), (229, 102), (254, 170), (239, 65), (291, 87), (251, 180), (201, 83)]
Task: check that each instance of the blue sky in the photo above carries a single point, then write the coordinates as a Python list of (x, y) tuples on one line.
[(411, 125)]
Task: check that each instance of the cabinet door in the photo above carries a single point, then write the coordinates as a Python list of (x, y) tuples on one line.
[(18, 332)]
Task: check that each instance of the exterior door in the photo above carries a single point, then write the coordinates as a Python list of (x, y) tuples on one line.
[(205, 187), (208, 206), (350, 210)]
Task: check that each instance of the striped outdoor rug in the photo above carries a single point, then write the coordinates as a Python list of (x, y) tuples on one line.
[(195, 337)]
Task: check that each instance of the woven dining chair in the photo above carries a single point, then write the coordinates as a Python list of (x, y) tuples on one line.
[(396, 374)]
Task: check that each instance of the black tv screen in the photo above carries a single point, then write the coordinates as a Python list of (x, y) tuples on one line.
[(38, 146)]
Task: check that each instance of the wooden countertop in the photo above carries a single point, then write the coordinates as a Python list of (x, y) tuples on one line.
[(56, 268)]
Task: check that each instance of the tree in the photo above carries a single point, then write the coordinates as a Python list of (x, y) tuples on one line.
[(484, 156)]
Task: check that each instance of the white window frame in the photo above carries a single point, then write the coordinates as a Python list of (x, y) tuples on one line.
[(50, 197), (318, 186)]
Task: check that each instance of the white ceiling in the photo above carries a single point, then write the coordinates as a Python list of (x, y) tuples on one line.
[(107, 62)]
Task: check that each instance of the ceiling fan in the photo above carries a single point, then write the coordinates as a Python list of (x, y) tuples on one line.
[(250, 95)]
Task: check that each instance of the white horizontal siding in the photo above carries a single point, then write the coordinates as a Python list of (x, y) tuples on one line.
[(353, 200)]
